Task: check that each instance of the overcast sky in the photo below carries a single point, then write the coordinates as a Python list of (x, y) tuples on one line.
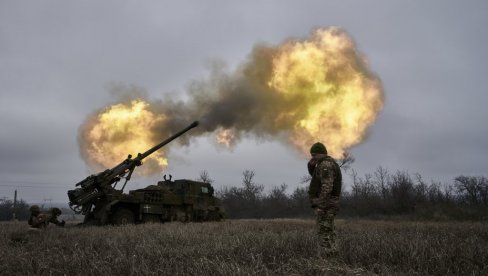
[(58, 60)]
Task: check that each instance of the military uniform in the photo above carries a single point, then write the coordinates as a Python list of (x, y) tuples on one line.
[(41, 220), (324, 193), (37, 219), (53, 217)]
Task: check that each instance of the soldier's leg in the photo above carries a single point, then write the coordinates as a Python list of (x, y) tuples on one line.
[(326, 231), (333, 237)]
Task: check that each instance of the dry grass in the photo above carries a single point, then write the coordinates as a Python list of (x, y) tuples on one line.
[(244, 247)]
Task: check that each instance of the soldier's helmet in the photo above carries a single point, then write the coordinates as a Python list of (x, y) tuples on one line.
[(35, 209), (55, 211), (318, 148)]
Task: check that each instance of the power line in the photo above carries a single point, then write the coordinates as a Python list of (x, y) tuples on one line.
[(29, 184), (26, 181), (32, 186)]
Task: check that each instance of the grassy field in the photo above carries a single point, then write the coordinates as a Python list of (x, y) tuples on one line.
[(246, 247)]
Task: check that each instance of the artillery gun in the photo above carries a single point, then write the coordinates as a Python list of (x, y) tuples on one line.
[(98, 198)]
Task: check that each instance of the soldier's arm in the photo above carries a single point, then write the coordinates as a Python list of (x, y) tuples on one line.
[(54, 219), (311, 166), (34, 221), (38, 220)]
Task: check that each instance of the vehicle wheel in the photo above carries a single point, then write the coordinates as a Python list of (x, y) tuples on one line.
[(181, 216), (151, 218), (89, 220), (199, 215), (214, 216), (123, 216)]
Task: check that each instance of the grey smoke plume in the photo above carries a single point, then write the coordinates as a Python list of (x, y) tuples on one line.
[(274, 96)]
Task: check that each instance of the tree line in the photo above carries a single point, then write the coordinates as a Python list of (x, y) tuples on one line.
[(375, 195), (7, 209)]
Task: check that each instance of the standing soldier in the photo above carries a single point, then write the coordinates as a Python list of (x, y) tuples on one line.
[(324, 192)]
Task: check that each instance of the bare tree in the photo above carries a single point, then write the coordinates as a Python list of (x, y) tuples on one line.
[(305, 179), (6, 209), (247, 177), (421, 188), (346, 161), (205, 177), (279, 192), (251, 189), (402, 192), (474, 189), (381, 177), (449, 193)]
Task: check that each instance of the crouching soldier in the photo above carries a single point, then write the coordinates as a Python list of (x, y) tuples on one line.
[(41, 220)]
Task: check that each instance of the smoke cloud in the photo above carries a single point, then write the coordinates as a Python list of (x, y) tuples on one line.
[(299, 92)]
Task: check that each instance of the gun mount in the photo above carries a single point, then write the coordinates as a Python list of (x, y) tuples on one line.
[(98, 199)]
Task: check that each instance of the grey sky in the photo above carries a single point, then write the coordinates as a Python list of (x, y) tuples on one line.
[(59, 58)]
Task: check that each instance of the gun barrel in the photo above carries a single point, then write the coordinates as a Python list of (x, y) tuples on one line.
[(160, 145)]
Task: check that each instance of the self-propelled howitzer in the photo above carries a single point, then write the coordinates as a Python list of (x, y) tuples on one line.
[(97, 193)]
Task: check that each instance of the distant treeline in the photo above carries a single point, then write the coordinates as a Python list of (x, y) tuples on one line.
[(7, 209), (377, 195)]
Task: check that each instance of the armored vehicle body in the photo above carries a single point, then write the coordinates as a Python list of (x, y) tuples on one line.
[(179, 200)]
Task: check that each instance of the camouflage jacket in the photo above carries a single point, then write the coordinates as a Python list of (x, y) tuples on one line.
[(326, 182), (39, 221), (42, 220)]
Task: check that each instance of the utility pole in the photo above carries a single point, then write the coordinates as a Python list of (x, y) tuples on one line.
[(50, 200), (14, 216)]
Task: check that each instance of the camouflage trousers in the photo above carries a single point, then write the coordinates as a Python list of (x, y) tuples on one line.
[(326, 231)]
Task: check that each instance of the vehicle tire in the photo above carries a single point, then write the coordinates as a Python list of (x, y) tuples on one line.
[(151, 218), (122, 216), (89, 220), (214, 216)]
